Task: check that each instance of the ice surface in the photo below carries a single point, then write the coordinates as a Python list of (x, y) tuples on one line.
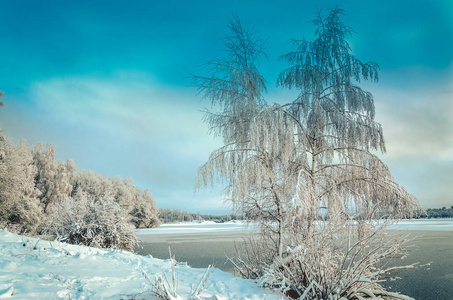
[(204, 227), (424, 224)]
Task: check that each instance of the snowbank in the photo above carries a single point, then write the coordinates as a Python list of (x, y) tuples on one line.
[(37, 269)]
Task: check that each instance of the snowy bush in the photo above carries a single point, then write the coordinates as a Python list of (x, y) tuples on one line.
[(339, 264), (326, 266), (96, 223)]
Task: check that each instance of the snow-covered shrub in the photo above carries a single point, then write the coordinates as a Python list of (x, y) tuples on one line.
[(329, 264), (96, 223)]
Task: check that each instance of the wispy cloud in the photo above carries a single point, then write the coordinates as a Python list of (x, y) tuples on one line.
[(418, 127), (130, 105), (131, 127)]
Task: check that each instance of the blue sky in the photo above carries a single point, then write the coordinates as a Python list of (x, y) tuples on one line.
[(107, 82)]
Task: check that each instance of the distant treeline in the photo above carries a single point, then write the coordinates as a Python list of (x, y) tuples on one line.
[(174, 215), (443, 212)]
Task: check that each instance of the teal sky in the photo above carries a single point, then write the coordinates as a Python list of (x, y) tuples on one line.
[(107, 83)]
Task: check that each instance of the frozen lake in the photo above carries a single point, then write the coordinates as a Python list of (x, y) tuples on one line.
[(238, 227), (424, 224), (209, 243)]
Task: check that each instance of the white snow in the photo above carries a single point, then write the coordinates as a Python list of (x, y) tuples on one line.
[(31, 268)]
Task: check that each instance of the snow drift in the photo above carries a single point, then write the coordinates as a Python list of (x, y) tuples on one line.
[(32, 268)]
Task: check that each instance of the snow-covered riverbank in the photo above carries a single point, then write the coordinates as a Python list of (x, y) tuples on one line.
[(35, 269)]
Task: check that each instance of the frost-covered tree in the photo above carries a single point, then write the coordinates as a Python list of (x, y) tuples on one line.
[(236, 85), (32, 182), (140, 205), (53, 179), (20, 209), (143, 213), (306, 171), (256, 178), (92, 185), (333, 121), (123, 191), (19, 206)]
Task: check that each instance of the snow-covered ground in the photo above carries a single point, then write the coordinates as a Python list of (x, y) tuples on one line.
[(36, 269)]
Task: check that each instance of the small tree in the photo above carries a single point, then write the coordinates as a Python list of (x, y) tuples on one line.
[(53, 179), (19, 206), (143, 213)]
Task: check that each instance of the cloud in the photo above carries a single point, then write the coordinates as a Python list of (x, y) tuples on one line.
[(416, 125), (418, 131), (129, 105), (130, 126), (428, 179)]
